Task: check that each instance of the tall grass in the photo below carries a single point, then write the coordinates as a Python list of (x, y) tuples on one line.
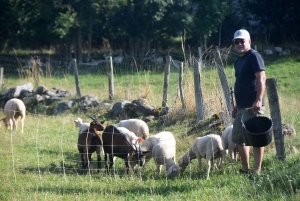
[(43, 163)]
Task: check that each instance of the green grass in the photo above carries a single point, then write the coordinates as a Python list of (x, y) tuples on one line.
[(43, 163)]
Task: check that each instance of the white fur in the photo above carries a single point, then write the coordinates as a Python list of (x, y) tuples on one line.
[(13, 109), (229, 145), (139, 127), (209, 147), (162, 147), (82, 125)]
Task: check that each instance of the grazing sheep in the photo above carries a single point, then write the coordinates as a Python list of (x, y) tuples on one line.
[(89, 141), (209, 147), (81, 124), (133, 139), (14, 108), (162, 147), (116, 144), (139, 127), (288, 130), (229, 145)]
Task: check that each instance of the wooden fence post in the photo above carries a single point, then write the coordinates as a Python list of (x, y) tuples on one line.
[(166, 81), (76, 78), (276, 117), (224, 83), (1, 76), (180, 86), (111, 79), (198, 90)]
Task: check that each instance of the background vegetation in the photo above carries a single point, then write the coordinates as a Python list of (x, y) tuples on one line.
[(137, 28)]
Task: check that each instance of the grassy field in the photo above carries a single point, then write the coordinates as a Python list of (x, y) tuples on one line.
[(43, 163)]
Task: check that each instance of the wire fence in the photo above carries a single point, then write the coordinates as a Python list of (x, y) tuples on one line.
[(59, 155)]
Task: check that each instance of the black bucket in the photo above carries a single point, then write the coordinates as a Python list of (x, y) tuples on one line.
[(258, 131)]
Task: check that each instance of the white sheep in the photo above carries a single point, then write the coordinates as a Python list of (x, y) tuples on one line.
[(134, 140), (81, 124), (229, 145), (13, 109), (138, 126), (209, 147), (162, 147)]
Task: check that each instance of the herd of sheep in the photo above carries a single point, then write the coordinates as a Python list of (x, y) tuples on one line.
[(130, 141)]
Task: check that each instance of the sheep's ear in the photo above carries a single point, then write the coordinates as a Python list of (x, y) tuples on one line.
[(180, 161), (141, 139)]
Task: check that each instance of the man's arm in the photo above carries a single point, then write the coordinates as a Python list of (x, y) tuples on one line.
[(260, 88)]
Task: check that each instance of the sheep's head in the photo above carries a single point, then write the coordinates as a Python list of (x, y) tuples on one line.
[(174, 171), (137, 156), (6, 122), (96, 124), (183, 162), (77, 122)]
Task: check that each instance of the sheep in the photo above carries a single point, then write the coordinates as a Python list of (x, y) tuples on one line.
[(209, 147), (81, 124), (133, 139), (117, 144), (89, 141), (14, 108), (229, 145), (139, 127), (162, 147)]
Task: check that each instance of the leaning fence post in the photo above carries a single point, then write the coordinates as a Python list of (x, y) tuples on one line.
[(198, 90), (111, 79), (1, 76), (166, 81), (180, 86), (76, 77), (276, 117), (223, 80)]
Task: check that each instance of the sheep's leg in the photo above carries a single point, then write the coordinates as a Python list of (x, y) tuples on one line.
[(105, 161), (22, 124), (98, 158), (111, 161), (126, 165), (89, 160), (231, 154), (147, 159), (199, 163), (208, 164), (11, 123), (158, 168), (82, 160)]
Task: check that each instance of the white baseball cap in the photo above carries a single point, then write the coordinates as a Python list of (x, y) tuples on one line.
[(242, 33)]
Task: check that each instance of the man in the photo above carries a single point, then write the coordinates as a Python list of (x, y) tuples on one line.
[(249, 89)]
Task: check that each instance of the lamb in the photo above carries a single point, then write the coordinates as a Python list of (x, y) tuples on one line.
[(209, 147), (117, 144), (89, 141), (162, 147), (14, 108), (133, 139), (81, 124), (229, 145), (137, 126)]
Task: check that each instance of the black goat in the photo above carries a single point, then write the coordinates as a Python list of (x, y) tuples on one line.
[(89, 141), (117, 144)]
